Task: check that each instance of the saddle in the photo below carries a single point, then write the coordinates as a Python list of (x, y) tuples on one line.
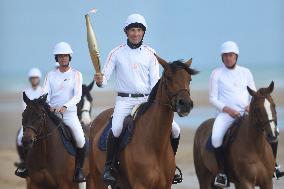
[(229, 137), (126, 134), (68, 139)]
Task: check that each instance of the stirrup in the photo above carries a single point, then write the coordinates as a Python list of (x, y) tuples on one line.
[(178, 177), (108, 177), (219, 183), (277, 173)]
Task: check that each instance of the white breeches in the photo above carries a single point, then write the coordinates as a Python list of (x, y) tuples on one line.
[(72, 121), (222, 123), (123, 108), (20, 136)]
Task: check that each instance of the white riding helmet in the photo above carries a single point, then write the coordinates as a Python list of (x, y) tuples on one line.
[(62, 48), (229, 47), (34, 72), (135, 18)]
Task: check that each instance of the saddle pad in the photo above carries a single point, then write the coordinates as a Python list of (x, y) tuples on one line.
[(68, 141), (125, 136), (229, 136)]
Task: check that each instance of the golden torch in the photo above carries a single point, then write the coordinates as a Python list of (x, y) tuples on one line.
[(92, 43)]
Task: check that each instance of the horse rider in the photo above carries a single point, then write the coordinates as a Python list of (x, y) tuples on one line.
[(137, 72), (33, 92), (64, 88), (228, 94)]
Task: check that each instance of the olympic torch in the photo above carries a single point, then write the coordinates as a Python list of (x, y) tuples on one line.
[(92, 43)]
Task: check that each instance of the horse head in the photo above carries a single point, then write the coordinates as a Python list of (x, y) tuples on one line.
[(85, 104), (176, 80), (263, 111), (33, 120)]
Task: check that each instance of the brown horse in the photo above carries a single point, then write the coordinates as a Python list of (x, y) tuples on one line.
[(49, 164), (249, 157), (148, 161)]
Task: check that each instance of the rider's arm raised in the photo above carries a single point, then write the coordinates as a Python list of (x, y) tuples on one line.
[(108, 69)]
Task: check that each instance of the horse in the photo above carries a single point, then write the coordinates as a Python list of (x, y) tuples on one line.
[(84, 107), (148, 160), (249, 159), (49, 164)]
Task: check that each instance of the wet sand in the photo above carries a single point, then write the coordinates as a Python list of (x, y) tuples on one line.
[(10, 120)]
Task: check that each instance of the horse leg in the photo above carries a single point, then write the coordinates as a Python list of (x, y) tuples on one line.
[(244, 185), (90, 182), (267, 185), (33, 185), (204, 176), (206, 181), (96, 182)]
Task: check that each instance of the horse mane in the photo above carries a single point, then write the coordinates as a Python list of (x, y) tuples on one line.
[(178, 64), (55, 119), (146, 105), (175, 65)]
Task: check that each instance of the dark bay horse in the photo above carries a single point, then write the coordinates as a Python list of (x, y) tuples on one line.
[(49, 164), (249, 158), (148, 161), (84, 108)]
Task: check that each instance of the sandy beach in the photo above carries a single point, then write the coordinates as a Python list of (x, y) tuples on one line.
[(10, 117)]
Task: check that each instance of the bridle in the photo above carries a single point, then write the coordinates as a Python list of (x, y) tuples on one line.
[(171, 97), (39, 132), (261, 126)]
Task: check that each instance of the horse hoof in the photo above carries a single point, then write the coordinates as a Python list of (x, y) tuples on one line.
[(22, 172)]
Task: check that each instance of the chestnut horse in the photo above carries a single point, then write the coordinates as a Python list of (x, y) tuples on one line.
[(50, 165), (147, 162), (249, 157)]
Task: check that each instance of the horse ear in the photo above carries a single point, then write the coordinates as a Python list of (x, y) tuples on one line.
[(271, 87), (44, 97), (161, 61), (90, 86), (189, 62), (26, 98), (251, 92)]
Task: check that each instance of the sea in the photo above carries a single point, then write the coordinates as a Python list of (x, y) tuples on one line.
[(263, 75)]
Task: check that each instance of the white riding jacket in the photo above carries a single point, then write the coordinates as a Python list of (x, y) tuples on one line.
[(137, 70), (64, 89), (228, 87)]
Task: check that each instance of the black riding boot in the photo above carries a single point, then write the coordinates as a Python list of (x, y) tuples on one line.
[(79, 163), (178, 177), (112, 143), (277, 172), (22, 170), (221, 179)]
